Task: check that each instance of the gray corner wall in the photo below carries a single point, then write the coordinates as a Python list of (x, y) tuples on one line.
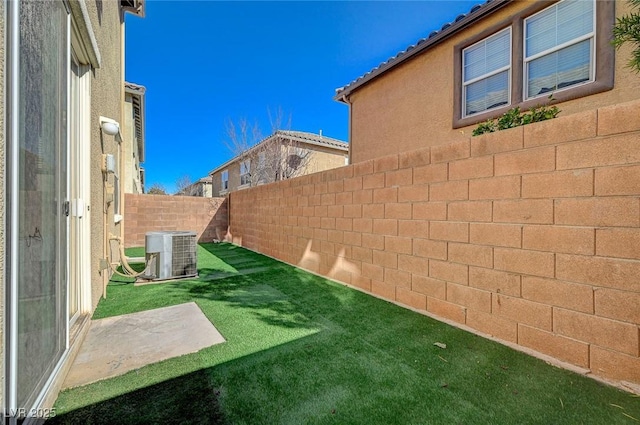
[(107, 95)]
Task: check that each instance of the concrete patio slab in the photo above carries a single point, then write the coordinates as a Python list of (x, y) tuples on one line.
[(117, 345)]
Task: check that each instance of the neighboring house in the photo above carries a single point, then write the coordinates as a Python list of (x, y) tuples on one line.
[(133, 138), (202, 188), (500, 55), (283, 155), (63, 90)]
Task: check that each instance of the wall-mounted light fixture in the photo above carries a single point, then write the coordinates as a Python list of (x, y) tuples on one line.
[(109, 126)]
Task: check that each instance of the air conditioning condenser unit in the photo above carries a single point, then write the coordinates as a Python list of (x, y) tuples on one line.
[(171, 255)]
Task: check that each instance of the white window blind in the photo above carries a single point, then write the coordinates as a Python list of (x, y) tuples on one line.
[(559, 47), (486, 69)]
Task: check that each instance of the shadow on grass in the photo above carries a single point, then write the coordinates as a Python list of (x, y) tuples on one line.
[(253, 294), (228, 274), (188, 399), (251, 286), (371, 362), (344, 379)]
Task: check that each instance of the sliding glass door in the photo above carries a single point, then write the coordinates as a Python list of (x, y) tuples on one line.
[(37, 298)]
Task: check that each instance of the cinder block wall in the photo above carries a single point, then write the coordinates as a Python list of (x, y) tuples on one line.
[(149, 213), (530, 234)]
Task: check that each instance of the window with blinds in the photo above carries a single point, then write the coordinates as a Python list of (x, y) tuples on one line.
[(559, 47), (486, 73)]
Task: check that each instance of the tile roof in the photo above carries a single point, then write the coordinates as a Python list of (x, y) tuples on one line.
[(312, 138), (448, 29)]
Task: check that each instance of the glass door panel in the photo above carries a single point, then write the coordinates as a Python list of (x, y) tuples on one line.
[(41, 312)]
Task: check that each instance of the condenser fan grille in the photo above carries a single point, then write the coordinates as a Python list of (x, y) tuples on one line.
[(183, 261), (171, 255)]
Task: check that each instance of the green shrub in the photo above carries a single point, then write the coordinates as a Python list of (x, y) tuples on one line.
[(627, 30), (488, 126), (514, 118), (541, 113), (510, 119)]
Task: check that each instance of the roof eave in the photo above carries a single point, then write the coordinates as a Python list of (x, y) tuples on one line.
[(135, 7), (140, 93), (317, 143), (488, 8)]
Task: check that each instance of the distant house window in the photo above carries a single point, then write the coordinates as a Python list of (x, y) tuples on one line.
[(560, 49), (245, 172), (225, 180), (486, 73)]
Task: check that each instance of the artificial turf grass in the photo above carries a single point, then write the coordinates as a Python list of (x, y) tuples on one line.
[(302, 349), (156, 404)]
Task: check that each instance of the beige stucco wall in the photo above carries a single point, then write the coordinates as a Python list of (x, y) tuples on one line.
[(206, 190), (325, 159), (234, 179), (107, 96), (411, 106)]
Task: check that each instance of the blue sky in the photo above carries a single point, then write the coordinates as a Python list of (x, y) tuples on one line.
[(207, 62)]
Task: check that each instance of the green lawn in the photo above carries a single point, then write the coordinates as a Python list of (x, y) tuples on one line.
[(301, 349)]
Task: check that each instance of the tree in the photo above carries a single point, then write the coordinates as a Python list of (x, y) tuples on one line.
[(156, 189), (627, 30), (182, 184), (279, 156)]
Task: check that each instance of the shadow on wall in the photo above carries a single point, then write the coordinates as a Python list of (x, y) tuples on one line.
[(341, 269), (218, 227), (312, 260)]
